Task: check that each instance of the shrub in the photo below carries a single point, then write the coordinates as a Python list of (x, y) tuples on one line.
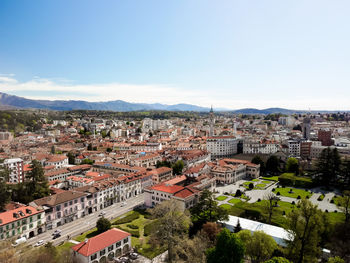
[(238, 193), (134, 233), (283, 212), (251, 186), (307, 197), (332, 201), (273, 189), (132, 226), (278, 193), (289, 179), (133, 216), (326, 211), (335, 211), (293, 203), (299, 197), (252, 213), (259, 200)]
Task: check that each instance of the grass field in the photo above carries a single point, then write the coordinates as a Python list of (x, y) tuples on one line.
[(64, 246), (255, 180), (295, 194), (221, 198), (234, 201), (226, 206), (272, 178), (266, 182), (260, 186)]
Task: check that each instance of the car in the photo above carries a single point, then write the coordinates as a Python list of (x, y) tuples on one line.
[(19, 241), (57, 231), (133, 255), (39, 243), (102, 213), (57, 235), (122, 260)]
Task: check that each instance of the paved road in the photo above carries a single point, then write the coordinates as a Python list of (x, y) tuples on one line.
[(88, 222)]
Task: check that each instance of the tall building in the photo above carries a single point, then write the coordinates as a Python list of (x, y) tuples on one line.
[(211, 122), (222, 146), (325, 136), (306, 128), (15, 166)]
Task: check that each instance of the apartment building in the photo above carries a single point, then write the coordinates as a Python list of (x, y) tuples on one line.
[(15, 167), (222, 146), (25, 221)]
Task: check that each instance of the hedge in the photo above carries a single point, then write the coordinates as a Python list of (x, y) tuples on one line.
[(127, 219), (134, 233), (132, 226), (289, 179)]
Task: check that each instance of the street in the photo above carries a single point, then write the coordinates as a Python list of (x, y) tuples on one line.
[(88, 222)]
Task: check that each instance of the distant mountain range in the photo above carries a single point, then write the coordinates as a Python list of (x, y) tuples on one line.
[(10, 102)]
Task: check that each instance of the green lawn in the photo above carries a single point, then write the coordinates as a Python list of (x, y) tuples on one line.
[(272, 178), (266, 182), (234, 201), (226, 206), (246, 183), (260, 186), (255, 180), (221, 198), (89, 234), (295, 194), (64, 246)]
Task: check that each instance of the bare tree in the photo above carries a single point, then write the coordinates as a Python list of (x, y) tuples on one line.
[(270, 204)]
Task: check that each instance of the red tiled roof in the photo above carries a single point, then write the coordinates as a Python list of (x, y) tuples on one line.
[(21, 212), (167, 188), (100, 242)]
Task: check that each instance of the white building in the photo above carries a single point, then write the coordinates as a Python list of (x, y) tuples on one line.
[(294, 148), (15, 166), (103, 247), (222, 146), (258, 147)]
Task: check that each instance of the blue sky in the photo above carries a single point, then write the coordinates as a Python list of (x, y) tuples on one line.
[(233, 54)]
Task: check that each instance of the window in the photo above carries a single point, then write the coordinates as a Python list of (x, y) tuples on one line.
[(58, 208), (70, 202), (31, 226), (82, 199), (65, 204), (118, 244), (102, 252), (75, 201), (125, 240), (110, 248), (94, 256)]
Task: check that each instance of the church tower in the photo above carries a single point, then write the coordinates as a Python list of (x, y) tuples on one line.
[(211, 122)]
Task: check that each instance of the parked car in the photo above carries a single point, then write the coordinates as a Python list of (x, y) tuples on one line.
[(39, 243), (19, 241), (57, 231), (133, 255), (56, 235), (122, 260), (102, 213)]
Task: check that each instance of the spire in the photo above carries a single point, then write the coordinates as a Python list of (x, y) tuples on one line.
[(211, 108)]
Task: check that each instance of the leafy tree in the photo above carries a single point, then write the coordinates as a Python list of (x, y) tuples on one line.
[(305, 226), (37, 184), (257, 160), (4, 195), (251, 186), (259, 246), (335, 260), (178, 166), (87, 161), (173, 225), (71, 158), (328, 166), (345, 172), (344, 204), (103, 225), (211, 230), (163, 164), (89, 148), (104, 134), (270, 204), (207, 210), (229, 249), (272, 165), (340, 239), (292, 165), (53, 149), (277, 260)]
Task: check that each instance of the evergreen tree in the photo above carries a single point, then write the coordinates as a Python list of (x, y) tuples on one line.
[(37, 183), (257, 160), (238, 227), (272, 165), (103, 225), (328, 166)]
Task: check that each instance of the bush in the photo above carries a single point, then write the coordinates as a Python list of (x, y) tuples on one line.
[(283, 212), (320, 198), (299, 197), (278, 193), (307, 197), (252, 213), (293, 203), (332, 201), (273, 189), (326, 211), (132, 226), (259, 200), (134, 233), (238, 193), (251, 186), (133, 216)]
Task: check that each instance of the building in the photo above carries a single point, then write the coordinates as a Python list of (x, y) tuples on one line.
[(294, 148), (305, 149), (161, 174), (62, 208), (103, 247), (306, 128), (325, 136), (25, 221), (15, 166), (211, 122), (260, 147), (228, 171), (222, 146)]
